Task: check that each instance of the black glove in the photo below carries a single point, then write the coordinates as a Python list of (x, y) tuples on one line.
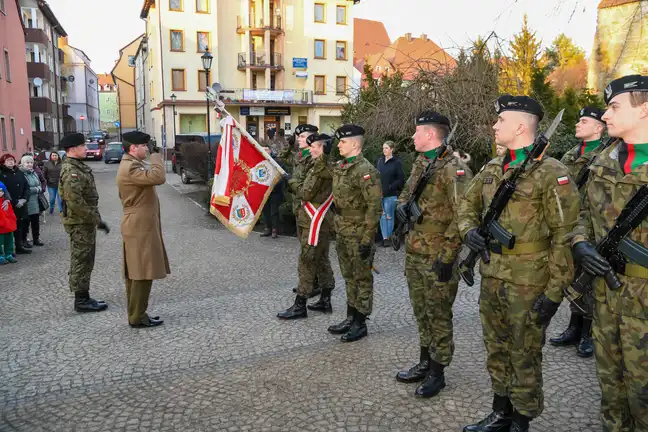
[(103, 226), (585, 254), (153, 149), (286, 176), (401, 213), (443, 270), (545, 308), (365, 251), (474, 241)]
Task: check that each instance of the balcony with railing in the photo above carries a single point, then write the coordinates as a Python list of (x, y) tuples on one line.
[(38, 70), (263, 96), (40, 105), (257, 27), (36, 35), (259, 61)]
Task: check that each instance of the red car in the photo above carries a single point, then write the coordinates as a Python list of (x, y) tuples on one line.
[(95, 151)]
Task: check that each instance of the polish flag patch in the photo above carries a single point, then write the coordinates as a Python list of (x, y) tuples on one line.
[(563, 180), (366, 177), (461, 173)]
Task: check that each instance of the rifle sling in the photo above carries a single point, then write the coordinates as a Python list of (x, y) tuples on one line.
[(429, 227), (635, 270), (520, 248)]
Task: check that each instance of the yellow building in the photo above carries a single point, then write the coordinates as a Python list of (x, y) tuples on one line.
[(124, 77), (280, 62)]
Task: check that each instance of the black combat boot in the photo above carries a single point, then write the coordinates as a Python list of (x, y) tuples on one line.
[(266, 232), (520, 423), (571, 335), (83, 303), (358, 328), (297, 310), (345, 325), (20, 249), (417, 372), (324, 302), (585, 347), (499, 420), (434, 381)]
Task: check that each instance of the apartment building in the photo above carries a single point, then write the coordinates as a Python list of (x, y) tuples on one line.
[(47, 86), (280, 62), (142, 103), (82, 88), (124, 75), (15, 124), (108, 104)]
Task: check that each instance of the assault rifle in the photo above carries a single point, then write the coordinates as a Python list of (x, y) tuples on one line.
[(490, 227), (583, 174), (615, 246), (413, 210)]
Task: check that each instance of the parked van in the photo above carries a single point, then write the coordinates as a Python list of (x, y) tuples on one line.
[(191, 154)]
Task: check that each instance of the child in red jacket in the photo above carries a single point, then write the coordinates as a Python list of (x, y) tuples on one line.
[(7, 227)]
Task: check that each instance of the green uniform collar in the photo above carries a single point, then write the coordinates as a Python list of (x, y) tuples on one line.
[(431, 154), (633, 156), (305, 153), (588, 146), (515, 157), (351, 159)]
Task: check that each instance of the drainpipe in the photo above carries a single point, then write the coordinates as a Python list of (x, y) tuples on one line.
[(163, 73), (57, 83)]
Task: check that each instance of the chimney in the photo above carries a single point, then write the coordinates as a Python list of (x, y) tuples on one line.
[(409, 37), (424, 37)]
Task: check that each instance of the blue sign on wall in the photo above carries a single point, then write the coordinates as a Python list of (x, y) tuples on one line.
[(300, 63), (116, 124)]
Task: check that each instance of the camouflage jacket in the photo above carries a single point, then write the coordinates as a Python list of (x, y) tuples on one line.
[(543, 209), (300, 168), (316, 188), (357, 195), (574, 161), (437, 234), (608, 191), (78, 193)]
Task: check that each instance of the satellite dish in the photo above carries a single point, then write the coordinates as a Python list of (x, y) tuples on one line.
[(38, 82), (71, 78), (91, 81), (217, 87)]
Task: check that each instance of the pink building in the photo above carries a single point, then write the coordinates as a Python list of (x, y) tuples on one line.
[(15, 120)]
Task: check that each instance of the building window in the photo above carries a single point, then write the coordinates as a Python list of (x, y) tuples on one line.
[(320, 12), (202, 80), (340, 85), (7, 66), (202, 39), (202, 6), (3, 133), (320, 84), (340, 15), (320, 49), (175, 5), (131, 61), (177, 40), (178, 81), (13, 134), (340, 50)]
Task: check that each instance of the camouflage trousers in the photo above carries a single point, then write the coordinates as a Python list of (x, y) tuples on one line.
[(621, 348), (513, 343), (432, 305), (357, 273), (82, 255), (314, 263)]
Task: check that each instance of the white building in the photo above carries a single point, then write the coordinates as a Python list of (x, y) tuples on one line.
[(142, 102)]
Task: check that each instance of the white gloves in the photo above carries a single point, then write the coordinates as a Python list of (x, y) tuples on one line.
[(21, 202)]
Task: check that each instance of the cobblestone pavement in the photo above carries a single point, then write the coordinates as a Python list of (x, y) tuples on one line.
[(222, 361)]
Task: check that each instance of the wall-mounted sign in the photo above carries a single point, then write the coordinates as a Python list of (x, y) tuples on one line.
[(252, 111), (300, 63), (277, 111), (287, 126), (301, 74)]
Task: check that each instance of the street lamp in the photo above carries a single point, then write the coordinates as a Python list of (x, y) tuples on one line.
[(207, 62), (173, 103)]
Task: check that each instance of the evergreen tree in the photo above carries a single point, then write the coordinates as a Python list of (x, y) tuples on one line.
[(520, 66)]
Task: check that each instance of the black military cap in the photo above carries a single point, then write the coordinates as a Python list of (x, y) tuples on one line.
[(518, 103), (328, 141), (305, 128), (431, 117), (629, 83), (348, 131), (136, 137), (72, 140), (593, 112)]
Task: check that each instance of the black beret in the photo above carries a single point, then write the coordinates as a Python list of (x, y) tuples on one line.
[(593, 112), (629, 83), (305, 128), (136, 137), (348, 131), (432, 117), (518, 103), (72, 140), (317, 137)]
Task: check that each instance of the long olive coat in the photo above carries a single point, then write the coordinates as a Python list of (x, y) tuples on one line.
[(145, 257)]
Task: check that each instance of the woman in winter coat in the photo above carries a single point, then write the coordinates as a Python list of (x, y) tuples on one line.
[(52, 172), (33, 211), (18, 190), (392, 177)]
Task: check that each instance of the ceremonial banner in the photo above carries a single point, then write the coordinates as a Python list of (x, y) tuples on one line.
[(245, 175)]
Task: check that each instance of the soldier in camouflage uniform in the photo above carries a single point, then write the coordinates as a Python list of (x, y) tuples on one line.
[(620, 316), (432, 246), (521, 288), (81, 219), (313, 189), (357, 194), (589, 129)]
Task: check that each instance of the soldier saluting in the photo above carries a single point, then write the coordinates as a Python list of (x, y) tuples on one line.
[(357, 194), (80, 219), (589, 129), (522, 287), (432, 246), (620, 315)]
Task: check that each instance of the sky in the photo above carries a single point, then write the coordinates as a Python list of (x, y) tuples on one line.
[(100, 29)]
